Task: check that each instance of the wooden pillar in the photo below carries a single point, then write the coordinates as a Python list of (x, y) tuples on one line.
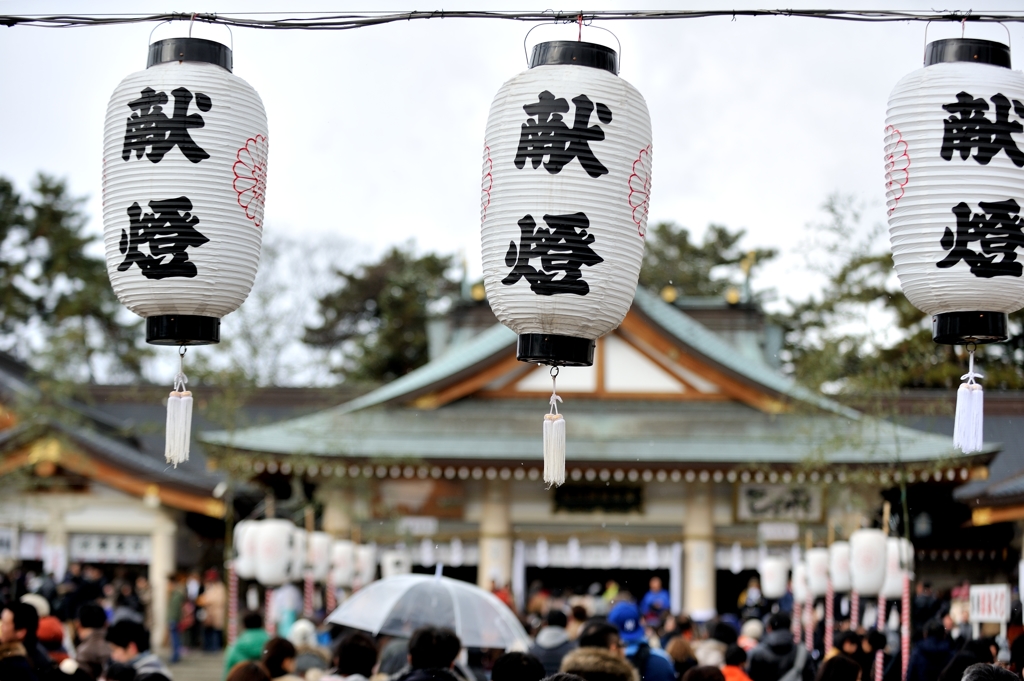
[(337, 514), (162, 564), (495, 564), (699, 553)]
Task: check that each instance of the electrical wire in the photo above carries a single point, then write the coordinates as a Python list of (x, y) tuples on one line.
[(343, 22)]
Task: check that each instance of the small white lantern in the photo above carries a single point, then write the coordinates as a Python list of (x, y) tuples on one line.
[(320, 555), (300, 555), (245, 548), (774, 577), (275, 552), (867, 561), (342, 562), (800, 589), (817, 571), (954, 160), (365, 565), (899, 563), (839, 565), (395, 562), (566, 185), (184, 181)]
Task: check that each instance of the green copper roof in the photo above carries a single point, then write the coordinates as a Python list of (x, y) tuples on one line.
[(624, 431)]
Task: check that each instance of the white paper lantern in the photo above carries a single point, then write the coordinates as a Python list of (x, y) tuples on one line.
[(342, 562), (275, 552), (300, 555), (365, 565), (817, 571), (320, 555), (774, 577), (839, 565), (184, 181), (867, 561), (954, 154), (395, 562), (899, 562), (245, 548), (800, 590), (566, 184)]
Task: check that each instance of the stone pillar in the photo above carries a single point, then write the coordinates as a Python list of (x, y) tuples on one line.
[(337, 517), (495, 536), (699, 553), (162, 564)]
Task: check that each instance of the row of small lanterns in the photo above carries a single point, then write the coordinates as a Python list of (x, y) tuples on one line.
[(603, 474), (564, 203)]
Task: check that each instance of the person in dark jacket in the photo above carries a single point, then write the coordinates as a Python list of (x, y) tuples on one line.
[(931, 655), (129, 645), (432, 653), (552, 643), (977, 651), (93, 653), (776, 654), (18, 624)]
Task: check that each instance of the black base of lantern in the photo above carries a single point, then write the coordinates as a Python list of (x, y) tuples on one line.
[(182, 330), (960, 328), (547, 348)]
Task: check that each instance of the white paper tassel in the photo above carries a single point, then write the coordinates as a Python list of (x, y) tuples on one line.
[(179, 419), (554, 439), (968, 430)]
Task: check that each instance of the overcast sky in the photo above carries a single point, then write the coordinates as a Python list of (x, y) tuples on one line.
[(376, 133)]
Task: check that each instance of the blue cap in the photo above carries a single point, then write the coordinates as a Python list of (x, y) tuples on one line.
[(626, 618)]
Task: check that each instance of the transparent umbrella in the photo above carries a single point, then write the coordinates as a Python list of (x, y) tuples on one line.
[(399, 605)]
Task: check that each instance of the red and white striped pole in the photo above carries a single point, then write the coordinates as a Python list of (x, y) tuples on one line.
[(809, 622), (307, 595), (330, 598), (232, 603), (795, 625), (268, 611), (854, 611), (830, 597), (905, 626), (880, 624)]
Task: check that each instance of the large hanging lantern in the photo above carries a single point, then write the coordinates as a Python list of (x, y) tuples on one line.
[(320, 555), (275, 552), (342, 563), (867, 561), (839, 565), (774, 577), (184, 181), (899, 563), (245, 533), (954, 155), (817, 571), (566, 186)]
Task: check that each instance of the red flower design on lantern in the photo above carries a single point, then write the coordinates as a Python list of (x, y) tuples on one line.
[(487, 184), (897, 166), (251, 178), (640, 189)]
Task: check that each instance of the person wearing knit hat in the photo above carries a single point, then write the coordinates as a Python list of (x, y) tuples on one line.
[(653, 663), (41, 605), (50, 634)]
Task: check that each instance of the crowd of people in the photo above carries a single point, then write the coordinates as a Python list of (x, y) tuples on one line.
[(88, 629)]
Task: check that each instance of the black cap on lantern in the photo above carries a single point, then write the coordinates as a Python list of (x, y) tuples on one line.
[(554, 350), (180, 329), (969, 50), (961, 328), (189, 49), (575, 53)]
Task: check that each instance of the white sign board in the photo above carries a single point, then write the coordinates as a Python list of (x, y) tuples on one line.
[(111, 548), (776, 531), (778, 502), (990, 603)]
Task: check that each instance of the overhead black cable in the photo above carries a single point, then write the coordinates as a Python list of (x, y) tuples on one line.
[(339, 22)]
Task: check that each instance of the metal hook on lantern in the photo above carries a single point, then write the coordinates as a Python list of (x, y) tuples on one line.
[(583, 22), (213, 19)]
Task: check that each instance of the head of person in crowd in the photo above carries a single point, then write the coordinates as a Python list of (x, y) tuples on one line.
[(934, 628), (90, 617), (779, 621), (51, 636), (433, 648), (847, 642), (752, 630), (579, 613), (684, 625), (556, 618), (988, 672), (41, 605), (681, 652), (303, 634), (355, 655), (594, 663), (279, 657), (128, 639), (626, 618), (252, 620), (517, 667), (735, 656), (599, 634), (248, 671), (18, 623), (839, 668), (724, 633), (704, 673)]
